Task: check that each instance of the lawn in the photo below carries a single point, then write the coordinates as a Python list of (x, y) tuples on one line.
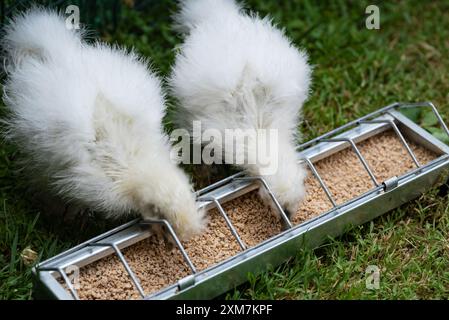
[(356, 71)]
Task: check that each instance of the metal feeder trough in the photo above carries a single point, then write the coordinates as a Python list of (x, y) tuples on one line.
[(217, 279)]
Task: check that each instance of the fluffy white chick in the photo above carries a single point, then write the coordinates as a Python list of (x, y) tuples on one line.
[(89, 117), (238, 71)]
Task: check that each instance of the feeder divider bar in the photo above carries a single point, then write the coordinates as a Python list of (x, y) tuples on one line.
[(125, 264), (400, 136), (284, 217), (174, 237), (227, 220), (66, 279), (320, 180), (359, 155), (114, 231), (346, 126), (426, 104)]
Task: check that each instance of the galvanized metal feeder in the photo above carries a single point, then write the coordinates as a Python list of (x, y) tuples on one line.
[(217, 279)]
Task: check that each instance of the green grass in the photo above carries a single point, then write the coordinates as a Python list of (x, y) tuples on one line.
[(356, 71)]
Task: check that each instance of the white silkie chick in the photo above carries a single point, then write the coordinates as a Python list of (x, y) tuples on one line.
[(238, 71), (89, 117)]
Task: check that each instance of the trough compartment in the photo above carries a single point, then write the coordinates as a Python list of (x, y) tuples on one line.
[(356, 173)]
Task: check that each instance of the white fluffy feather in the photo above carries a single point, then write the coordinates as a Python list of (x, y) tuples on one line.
[(239, 71), (89, 119)]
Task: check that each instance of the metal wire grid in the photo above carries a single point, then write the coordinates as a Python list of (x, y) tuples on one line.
[(172, 233), (367, 120), (285, 219)]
